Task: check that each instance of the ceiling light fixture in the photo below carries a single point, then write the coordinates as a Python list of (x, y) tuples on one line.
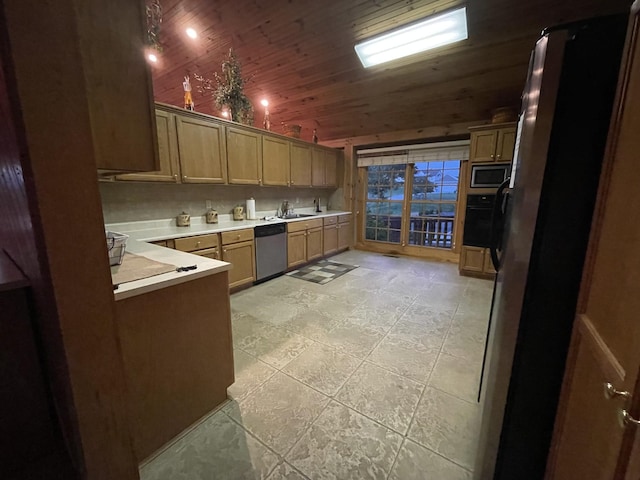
[(192, 33), (432, 32), (152, 58)]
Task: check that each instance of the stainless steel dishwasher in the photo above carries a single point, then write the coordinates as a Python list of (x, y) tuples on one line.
[(271, 250)]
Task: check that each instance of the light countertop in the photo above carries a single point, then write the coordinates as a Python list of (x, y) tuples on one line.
[(206, 266), (140, 233)]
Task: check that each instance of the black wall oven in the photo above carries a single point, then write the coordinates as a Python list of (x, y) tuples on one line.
[(477, 222)]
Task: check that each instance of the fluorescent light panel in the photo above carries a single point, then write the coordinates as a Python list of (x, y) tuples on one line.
[(430, 33)]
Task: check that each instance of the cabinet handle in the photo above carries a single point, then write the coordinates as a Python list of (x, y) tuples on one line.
[(291, 182), (492, 156), (259, 181), (224, 250), (184, 177), (238, 237), (197, 244), (498, 157), (175, 177)]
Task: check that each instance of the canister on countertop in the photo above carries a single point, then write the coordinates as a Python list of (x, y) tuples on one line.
[(183, 220), (251, 209), (238, 212), (212, 216)]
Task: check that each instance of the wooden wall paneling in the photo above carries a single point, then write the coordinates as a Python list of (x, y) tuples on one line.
[(70, 262)]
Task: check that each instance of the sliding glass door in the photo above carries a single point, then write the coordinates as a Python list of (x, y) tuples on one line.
[(412, 203)]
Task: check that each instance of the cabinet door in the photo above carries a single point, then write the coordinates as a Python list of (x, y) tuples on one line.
[(296, 248), (488, 264), (330, 166), (244, 156), (167, 152), (275, 161), (201, 149), (472, 259), (317, 167), (241, 256), (483, 146), (300, 165), (330, 239), (117, 84), (344, 235), (314, 243), (506, 144)]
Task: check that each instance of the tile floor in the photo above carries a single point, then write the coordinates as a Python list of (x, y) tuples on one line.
[(371, 376)]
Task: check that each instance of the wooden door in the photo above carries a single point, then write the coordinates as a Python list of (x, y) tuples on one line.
[(317, 167), (314, 243), (589, 441), (296, 248), (275, 161), (167, 153), (330, 166), (300, 165), (242, 257), (483, 146), (202, 152), (244, 156)]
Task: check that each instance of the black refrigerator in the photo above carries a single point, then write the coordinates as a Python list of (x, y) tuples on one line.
[(541, 225)]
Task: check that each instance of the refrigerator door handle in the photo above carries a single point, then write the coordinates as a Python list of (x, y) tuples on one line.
[(497, 224)]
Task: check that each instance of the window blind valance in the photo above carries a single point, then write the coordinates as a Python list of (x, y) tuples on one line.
[(441, 151)]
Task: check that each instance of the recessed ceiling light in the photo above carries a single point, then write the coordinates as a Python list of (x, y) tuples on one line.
[(152, 58), (432, 32), (225, 113), (264, 102), (192, 33)]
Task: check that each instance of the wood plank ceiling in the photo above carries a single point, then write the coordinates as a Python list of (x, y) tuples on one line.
[(299, 55)]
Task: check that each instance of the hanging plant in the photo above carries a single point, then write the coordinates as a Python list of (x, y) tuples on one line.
[(154, 22), (227, 89)]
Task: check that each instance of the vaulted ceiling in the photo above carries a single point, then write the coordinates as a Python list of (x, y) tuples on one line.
[(299, 55)]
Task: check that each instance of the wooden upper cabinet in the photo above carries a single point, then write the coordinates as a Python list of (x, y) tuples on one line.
[(300, 165), (317, 167), (201, 147), (505, 144), (111, 37), (492, 143), (244, 156), (275, 161), (330, 166), (167, 150)]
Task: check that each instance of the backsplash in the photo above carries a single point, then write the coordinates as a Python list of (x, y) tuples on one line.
[(130, 201)]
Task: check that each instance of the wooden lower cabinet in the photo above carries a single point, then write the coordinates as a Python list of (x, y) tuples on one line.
[(242, 256), (476, 261), (330, 239), (344, 232), (177, 355), (296, 248), (304, 241), (314, 243)]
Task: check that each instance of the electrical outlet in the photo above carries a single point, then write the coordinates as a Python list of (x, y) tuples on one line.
[(208, 204), (297, 200)]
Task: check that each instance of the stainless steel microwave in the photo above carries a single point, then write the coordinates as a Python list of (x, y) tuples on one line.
[(489, 175)]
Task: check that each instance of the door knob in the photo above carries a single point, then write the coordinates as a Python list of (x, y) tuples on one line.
[(626, 419)]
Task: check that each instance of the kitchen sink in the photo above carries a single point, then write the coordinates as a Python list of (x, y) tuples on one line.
[(299, 215)]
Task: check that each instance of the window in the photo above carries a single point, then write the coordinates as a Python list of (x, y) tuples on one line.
[(412, 195), (434, 196)]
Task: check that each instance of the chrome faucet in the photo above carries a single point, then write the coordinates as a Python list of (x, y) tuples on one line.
[(285, 209)]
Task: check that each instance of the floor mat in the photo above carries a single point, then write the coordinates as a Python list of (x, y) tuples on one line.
[(322, 272)]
